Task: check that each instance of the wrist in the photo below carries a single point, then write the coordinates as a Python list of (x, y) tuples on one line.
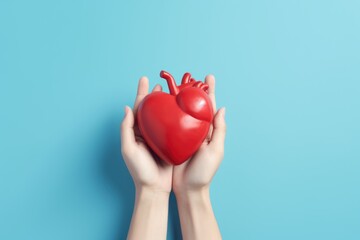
[(193, 196), (145, 193), (184, 189)]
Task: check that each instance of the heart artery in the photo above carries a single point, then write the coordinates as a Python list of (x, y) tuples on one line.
[(175, 124)]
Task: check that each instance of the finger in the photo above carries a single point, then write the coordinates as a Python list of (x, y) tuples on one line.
[(157, 88), (142, 91), (127, 130), (210, 81), (219, 131), (208, 137)]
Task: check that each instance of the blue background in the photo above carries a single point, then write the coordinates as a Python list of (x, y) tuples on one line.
[(288, 73)]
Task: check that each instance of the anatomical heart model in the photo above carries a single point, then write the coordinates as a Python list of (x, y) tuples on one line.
[(175, 124)]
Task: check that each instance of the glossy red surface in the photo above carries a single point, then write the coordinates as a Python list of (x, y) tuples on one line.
[(175, 124)]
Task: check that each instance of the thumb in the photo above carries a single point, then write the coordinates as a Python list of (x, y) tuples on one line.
[(219, 131), (127, 130)]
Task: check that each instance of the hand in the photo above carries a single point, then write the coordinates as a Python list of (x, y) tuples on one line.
[(191, 180), (146, 170), (151, 176), (197, 172)]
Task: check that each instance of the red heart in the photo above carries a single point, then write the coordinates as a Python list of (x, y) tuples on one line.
[(175, 125)]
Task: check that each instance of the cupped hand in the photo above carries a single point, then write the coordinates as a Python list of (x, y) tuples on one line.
[(145, 168), (198, 171)]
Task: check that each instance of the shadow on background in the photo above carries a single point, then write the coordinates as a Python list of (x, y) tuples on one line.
[(117, 176), (174, 229)]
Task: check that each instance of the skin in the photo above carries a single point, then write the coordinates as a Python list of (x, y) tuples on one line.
[(155, 179)]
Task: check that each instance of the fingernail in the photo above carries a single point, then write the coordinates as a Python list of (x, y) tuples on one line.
[(224, 111)]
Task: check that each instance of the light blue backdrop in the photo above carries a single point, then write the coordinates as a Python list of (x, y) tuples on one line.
[(288, 72)]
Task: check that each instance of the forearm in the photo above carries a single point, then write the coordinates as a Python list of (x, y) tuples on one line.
[(196, 215), (149, 220)]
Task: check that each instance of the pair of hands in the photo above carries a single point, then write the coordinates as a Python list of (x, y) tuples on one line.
[(149, 172)]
